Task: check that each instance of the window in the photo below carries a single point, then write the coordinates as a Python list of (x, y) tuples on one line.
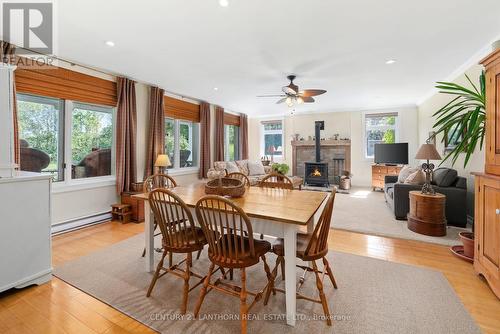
[(41, 124), (170, 140), (452, 138), (56, 134), (182, 142), (272, 138), (379, 128), (231, 142), (188, 145), (91, 140)]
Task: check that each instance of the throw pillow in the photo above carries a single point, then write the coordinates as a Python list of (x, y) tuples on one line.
[(219, 165), (231, 167), (255, 168), (243, 166), (444, 177), (416, 178), (405, 172)]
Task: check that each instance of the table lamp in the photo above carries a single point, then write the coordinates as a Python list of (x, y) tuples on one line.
[(428, 152), (163, 162)]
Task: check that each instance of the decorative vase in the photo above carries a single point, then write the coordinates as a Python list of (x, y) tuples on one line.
[(468, 241)]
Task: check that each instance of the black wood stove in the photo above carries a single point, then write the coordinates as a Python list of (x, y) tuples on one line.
[(316, 173)]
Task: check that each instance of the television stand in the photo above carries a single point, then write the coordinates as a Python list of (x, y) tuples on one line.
[(380, 171)]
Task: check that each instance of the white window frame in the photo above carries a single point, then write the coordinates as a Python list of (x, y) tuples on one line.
[(176, 168), (386, 127), (264, 132), (69, 184)]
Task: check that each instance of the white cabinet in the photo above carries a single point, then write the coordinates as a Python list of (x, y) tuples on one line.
[(25, 241)]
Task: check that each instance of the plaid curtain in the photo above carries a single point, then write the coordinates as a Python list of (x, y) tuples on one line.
[(219, 134), (126, 133), (204, 140), (156, 138), (244, 136)]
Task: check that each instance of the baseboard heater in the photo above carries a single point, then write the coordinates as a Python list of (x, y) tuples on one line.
[(78, 223)]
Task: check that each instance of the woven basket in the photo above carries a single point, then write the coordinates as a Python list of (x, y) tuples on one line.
[(225, 187)]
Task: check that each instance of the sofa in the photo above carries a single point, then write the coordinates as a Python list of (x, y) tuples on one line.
[(445, 181), (220, 168)]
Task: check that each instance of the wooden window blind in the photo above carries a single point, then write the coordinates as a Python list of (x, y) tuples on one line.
[(230, 119), (179, 109), (66, 84)]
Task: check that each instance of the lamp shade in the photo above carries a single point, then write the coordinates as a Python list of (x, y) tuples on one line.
[(163, 161), (428, 152)]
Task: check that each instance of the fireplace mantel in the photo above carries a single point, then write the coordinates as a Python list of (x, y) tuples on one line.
[(303, 151)]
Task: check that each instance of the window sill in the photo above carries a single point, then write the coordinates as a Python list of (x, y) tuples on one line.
[(183, 171), (83, 184)]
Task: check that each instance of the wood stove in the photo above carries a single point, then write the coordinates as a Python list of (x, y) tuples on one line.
[(316, 173)]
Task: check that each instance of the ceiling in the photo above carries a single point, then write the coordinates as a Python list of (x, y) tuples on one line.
[(190, 47)]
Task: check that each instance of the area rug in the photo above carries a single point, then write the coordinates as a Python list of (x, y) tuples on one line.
[(366, 211), (374, 296)]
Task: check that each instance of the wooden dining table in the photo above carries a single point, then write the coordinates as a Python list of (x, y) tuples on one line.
[(274, 212)]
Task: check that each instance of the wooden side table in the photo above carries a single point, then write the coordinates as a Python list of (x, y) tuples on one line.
[(427, 214)]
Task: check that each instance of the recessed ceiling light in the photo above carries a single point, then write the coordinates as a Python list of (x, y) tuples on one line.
[(390, 61), (110, 43), (224, 3), (215, 88)]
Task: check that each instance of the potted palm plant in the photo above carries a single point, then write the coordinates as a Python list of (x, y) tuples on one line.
[(463, 117)]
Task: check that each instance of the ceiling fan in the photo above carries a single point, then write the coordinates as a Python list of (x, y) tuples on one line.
[(293, 96)]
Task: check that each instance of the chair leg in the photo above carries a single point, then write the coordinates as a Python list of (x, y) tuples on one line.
[(329, 272), (243, 302), (231, 274), (270, 280), (155, 276), (199, 254), (187, 275), (170, 259), (203, 291), (261, 236), (322, 296)]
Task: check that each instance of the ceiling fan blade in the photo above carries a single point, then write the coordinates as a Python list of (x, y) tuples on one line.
[(308, 99), (281, 100), (312, 92), (288, 90), (281, 95)]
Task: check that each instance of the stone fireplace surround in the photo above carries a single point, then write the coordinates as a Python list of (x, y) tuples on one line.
[(304, 151)]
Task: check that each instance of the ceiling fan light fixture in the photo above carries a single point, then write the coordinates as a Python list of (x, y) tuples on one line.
[(289, 100), (300, 100)]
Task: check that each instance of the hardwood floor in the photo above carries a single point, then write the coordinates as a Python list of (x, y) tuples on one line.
[(57, 307)]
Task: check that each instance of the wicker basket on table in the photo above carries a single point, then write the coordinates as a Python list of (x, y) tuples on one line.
[(225, 187)]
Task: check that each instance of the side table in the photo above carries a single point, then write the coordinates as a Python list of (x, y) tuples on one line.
[(427, 214)]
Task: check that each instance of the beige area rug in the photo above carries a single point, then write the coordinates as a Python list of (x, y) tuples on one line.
[(374, 296), (366, 211)]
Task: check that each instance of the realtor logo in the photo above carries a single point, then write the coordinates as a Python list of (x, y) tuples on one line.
[(29, 26)]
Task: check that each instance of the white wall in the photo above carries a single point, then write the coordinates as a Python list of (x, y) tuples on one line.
[(347, 124), (425, 121)]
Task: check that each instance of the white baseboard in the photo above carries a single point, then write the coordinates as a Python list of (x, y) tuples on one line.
[(78, 223)]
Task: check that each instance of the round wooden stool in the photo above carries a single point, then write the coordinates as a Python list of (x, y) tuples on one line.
[(427, 215)]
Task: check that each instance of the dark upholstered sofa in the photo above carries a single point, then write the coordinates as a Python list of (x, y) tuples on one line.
[(445, 181)]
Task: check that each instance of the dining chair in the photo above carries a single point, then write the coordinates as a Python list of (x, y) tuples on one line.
[(240, 176), (310, 248), (180, 235), (224, 224), (157, 181), (276, 181)]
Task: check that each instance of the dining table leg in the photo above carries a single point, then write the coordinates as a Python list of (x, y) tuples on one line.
[(149, 237), (290, 236)]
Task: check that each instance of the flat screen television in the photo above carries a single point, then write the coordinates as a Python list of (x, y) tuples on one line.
[(391, 154)]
